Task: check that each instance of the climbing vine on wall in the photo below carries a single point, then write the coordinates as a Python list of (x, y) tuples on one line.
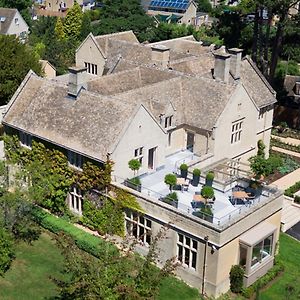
[(50, 179)]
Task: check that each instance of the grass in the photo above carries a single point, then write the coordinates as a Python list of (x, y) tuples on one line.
[(289, 253), (28, 277)]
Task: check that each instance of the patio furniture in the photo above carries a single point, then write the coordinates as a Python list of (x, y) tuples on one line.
[(240, 195), (198, 198), (183, 183)]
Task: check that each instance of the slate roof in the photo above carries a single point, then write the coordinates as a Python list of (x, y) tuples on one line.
[(8, 14), (90, 125), (94, 121)]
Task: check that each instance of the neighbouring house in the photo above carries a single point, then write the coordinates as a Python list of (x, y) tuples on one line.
[(48, 69), (173, 11), (12, 23), (64, 5), (165, 104)]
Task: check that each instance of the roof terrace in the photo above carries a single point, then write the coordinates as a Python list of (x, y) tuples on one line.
[(235, 194)]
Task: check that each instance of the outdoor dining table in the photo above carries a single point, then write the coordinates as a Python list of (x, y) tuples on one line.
[(182, 182), (198, 198), (240, 195)]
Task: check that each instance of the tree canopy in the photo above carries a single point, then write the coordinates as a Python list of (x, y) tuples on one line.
[(16, 59)]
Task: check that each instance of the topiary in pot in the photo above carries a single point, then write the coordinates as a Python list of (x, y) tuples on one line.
[(170, 180), (134, 165), (207, 192), (196, 177), (183, 170), (209, 178)]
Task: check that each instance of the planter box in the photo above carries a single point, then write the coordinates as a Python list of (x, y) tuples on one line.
[(133, 186)]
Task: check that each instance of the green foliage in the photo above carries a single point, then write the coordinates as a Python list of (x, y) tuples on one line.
[(261, 148), (196, 172), (59, 30), (135, 182), (172, 196), (207, 192), (86, 27), (73, 21), (134, 165), (183, 167), (210, 176), (204, 5), (6, 250), (264, 280), (170, 179), (16, 60), (206, 210), (297, 199), (236, 278), (292, 189)]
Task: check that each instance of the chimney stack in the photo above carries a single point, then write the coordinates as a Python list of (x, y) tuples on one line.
[(235, 62), (297, 88), (77, 81), (161, 55), (222, 65)]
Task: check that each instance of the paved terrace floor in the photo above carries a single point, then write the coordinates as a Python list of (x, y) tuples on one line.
[(153, 185)]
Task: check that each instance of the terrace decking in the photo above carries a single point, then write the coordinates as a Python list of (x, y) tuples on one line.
[(223, 210)]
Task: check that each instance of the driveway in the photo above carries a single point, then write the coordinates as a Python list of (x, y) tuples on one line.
[(294, 231)]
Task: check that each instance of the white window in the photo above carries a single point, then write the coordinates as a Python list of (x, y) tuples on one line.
[(187, 251), (75, 159), (91, 68), (236, 131), (168, 121), (262, 250), (138, 154), (25, 139), (75, 200), (139, 227)]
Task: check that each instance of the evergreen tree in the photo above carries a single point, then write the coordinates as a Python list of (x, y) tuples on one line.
[(59, 30), (73, 21), (86, 27), (16, 59)]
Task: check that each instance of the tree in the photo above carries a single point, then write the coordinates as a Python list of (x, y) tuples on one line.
[(134, 165), (59, 30), (16, 59), (236, 278), (86, 27), (73, 22), (204, 5), (170, 180), (6, 251)]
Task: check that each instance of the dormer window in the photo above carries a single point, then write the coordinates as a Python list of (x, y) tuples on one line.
[(75, 160), (25, 139), (168, 121)]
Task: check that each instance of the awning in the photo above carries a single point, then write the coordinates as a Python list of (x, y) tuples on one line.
[(257, 233)]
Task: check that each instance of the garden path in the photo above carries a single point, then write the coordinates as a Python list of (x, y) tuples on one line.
[(287, 180), (288, 152)]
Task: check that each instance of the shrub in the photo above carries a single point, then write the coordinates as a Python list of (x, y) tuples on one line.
[(207, 192), (135, 181), (261, 148), (206, 210), (134, 165), (170, 179), (292, 189), (172, 196), (6, 251), (196, 172), (236, 278), (183, 167), (297, 199), (210, 175)]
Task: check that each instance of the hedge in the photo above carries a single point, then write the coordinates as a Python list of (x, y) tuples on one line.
[(85, 241), (292, 189), (264, 280)]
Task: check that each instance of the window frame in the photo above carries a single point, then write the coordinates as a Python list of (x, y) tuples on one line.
[(91, 68), (75, 160), (75, 200), (236, 131), (139, 154), (184, 247), (168, 121), (25, 139), (139, 227)]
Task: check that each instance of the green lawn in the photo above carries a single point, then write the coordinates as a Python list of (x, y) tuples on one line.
[(28, 277), (290, 255)]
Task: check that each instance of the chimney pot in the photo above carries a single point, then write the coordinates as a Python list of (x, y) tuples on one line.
[(235, 62), (222, 65), (161, 55), (77, 81)]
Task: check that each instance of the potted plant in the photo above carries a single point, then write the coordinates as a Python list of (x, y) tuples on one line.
[(207, 192), (134, 165), (171, 199), (183, 170), (170, 180), (209, 178), (207, 213), (134, 183), (196, 177)]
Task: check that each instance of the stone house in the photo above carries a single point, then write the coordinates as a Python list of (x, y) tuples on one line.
[(48, 69), (12, 23), (164, 104)]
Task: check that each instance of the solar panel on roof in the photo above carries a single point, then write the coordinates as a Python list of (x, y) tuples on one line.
[(182, 4)]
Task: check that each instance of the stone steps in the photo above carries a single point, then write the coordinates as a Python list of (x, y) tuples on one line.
[(290, 215)]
